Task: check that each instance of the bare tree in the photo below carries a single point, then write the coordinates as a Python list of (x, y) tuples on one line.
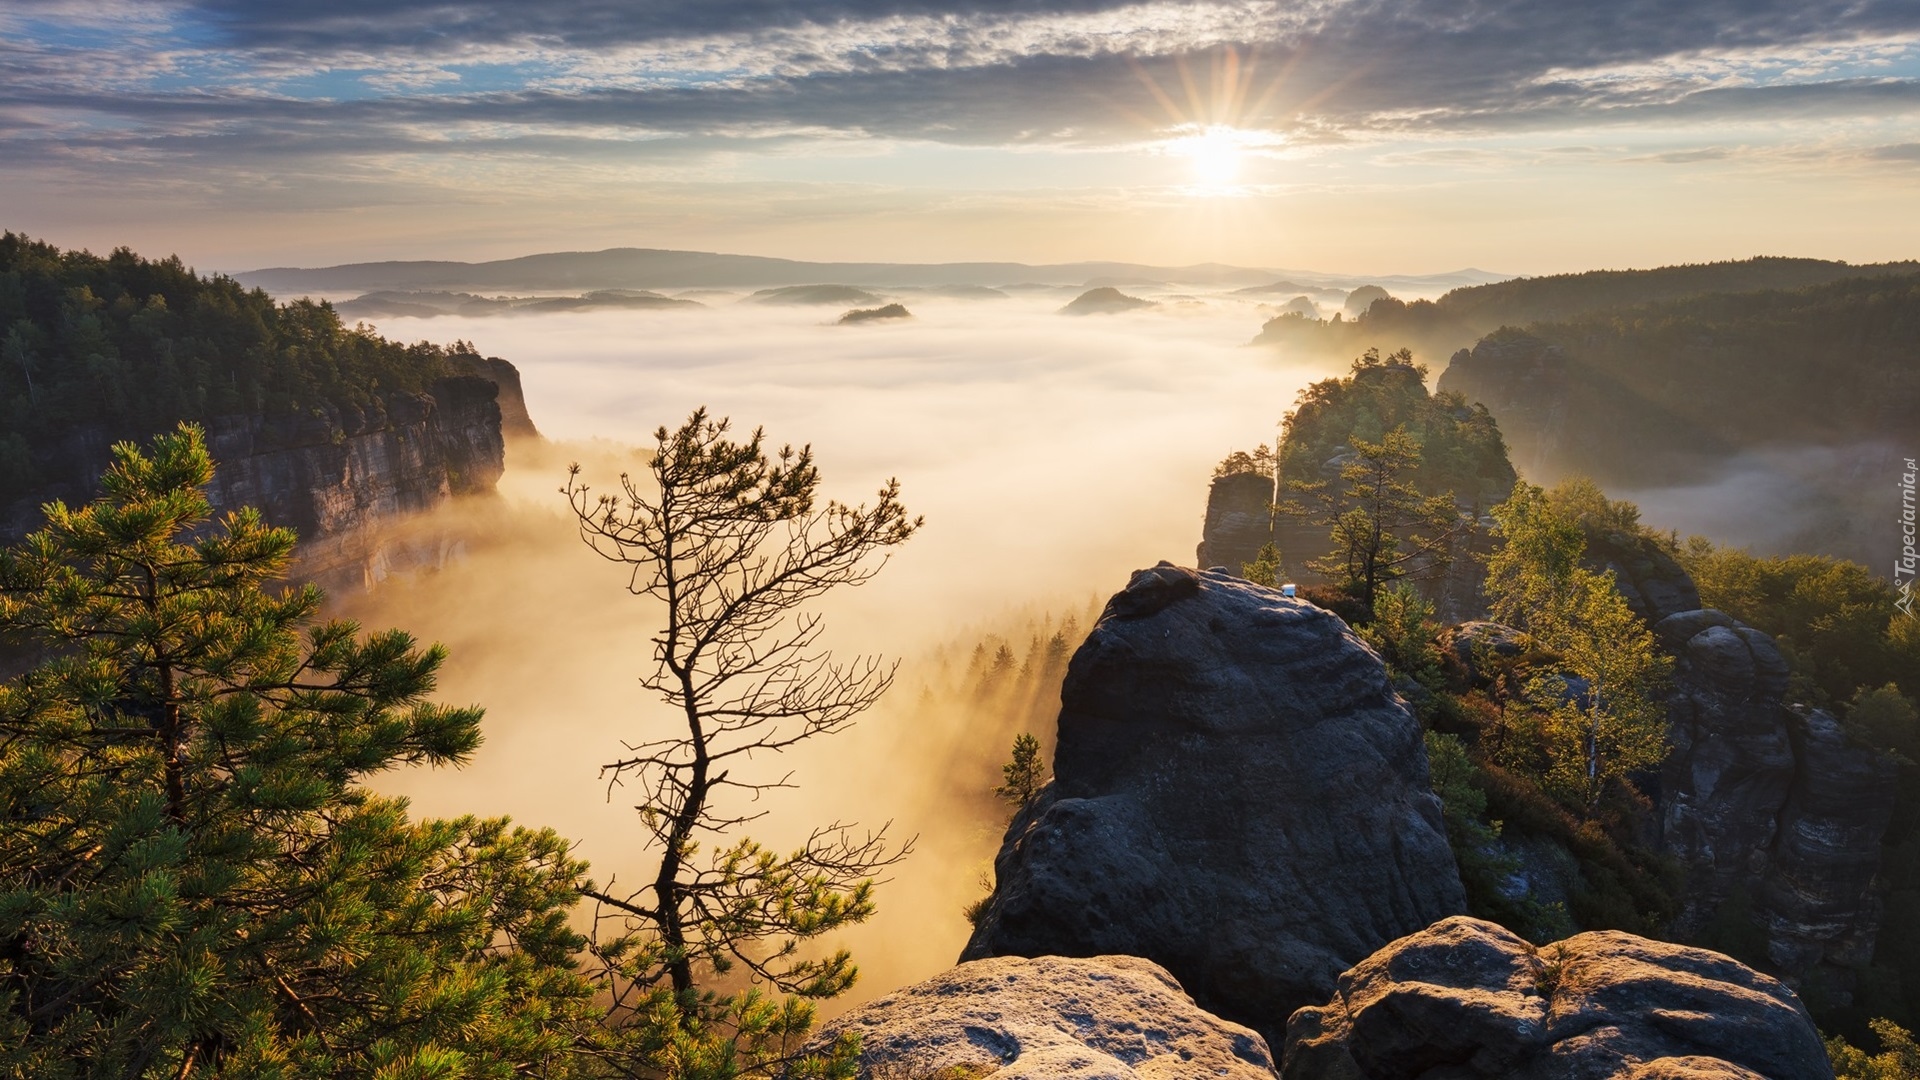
[(733, 543)]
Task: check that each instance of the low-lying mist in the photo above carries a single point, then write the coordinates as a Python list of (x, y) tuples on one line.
[(1050, 455)]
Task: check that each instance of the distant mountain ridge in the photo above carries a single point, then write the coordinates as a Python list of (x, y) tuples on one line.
[(642, 268)]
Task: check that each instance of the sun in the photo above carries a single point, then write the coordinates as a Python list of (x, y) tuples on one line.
[(1215, 156)]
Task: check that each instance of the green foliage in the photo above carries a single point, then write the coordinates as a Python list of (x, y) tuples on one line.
[(1898, 1059), (1598, 713), (1619, 885), (1834, 619), (1530, 575), (132, 346), (192, 879), (1886, 720), (1261, 462), (1459, 449), (1025, 772), (1405, 635), (731, 540), (1266, 568), (1383, 527)]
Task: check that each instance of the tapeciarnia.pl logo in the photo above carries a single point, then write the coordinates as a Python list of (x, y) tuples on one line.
[(1903, 567)]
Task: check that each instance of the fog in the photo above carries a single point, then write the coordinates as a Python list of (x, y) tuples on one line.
[(1050, 456), (1832, 500)]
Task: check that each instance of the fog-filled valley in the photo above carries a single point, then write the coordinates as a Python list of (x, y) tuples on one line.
[(1050, 455)]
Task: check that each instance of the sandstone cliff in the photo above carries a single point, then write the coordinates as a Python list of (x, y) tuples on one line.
[(338, 476), (1770, 808), (1238, 796)]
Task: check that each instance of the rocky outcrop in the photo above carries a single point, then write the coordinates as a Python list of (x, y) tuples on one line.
[(1362, 298), (1819, 902), (1049, 1018), (515, 423), (336, 479), (1769, 808), (1651, 580), (1239, 520), (1466, 999), (1238, 796), (339, 476)]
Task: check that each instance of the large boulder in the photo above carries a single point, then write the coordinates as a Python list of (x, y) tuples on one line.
[(1238, 796), (1772, 811), (1050, 1018), (1466, 999)]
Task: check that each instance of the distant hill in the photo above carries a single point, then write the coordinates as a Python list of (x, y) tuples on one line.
[(814, 294), (427, 303), (652, 268), (1105, 300), (1436, 329), (879, 314)]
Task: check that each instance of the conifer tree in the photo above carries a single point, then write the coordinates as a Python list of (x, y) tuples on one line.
[(1024, 774), (193, 881), (1383, 527), (732, 541)]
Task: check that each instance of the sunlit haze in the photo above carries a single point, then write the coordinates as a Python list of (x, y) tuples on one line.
[(1347, 135)]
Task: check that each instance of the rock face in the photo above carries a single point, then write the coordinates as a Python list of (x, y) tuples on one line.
[(1239, 520), (1819, 900), (336, 476), (1769, 806), (1465, 999), (1651, 580), (1050, 1018), (1238, 795), (515, 423)]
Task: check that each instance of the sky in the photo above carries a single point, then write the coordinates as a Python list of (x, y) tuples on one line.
[(1518, 136)]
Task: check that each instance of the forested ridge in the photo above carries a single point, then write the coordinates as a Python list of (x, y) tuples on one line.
[(1435, 328), (131, 346)]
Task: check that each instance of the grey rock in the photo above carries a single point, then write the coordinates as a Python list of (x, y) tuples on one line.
[(1480, 644), (1238, 795), (1050, 1018), (1239, 520), (1653, 582), (338, 476), (1466, 999), (1769, 807), (1819, 901)]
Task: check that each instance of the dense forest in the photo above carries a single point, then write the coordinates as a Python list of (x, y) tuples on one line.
[(130, 346), (1435, 328), (1629, 395)]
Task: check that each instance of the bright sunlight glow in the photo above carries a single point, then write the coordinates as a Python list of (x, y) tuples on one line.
[(1215, 154)]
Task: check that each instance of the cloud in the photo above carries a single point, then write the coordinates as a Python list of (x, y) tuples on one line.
[(981, 72)]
